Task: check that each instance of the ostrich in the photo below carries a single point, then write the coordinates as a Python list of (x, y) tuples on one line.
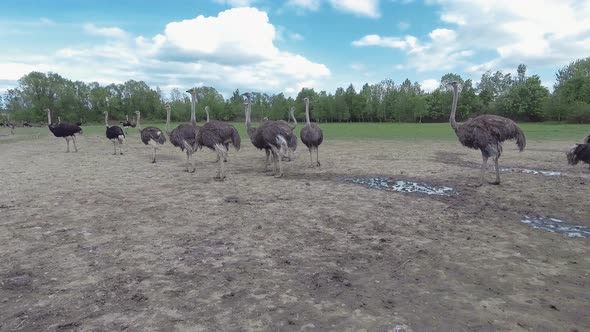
[(114, 133), (271, 137), (485, 133), (587, 139), (227, 132), (150, 136), (216, 136), (311, 135), (128, 124), (292, 143), (184, 136), (65, 130), (579, 153)]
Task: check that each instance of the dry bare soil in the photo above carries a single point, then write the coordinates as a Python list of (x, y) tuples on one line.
[(90, 241)]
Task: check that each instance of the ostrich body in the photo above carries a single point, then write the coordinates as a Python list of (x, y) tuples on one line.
[(579, 153), (216, 136), (114, 133), (66, 130), (184, 136), (485, 133), (272, 138), (311, 136), (150, 136), (587, 139)]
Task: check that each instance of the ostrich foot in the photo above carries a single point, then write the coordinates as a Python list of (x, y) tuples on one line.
[(474, 185), (219, 178), (494, 182), (318, 163), (279, 175), (154, 161)]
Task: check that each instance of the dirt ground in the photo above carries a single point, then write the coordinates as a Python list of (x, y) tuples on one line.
[(90, 241)]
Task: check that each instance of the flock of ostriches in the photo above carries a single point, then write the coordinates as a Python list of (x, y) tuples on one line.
[(277, 138)]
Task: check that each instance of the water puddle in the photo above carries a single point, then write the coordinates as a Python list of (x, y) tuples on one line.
[(390, 184), (554, 225), (530, 171)]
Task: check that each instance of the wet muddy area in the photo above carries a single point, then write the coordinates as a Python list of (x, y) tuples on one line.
[(95, 242), (402, 186), (554, 225)]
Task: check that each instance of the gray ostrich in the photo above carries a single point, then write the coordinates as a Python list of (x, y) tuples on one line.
[(184, 136), (150, 136), (226, 131), (311, 135), (485, 133), (292, 143), (579, 153), (271, 137)]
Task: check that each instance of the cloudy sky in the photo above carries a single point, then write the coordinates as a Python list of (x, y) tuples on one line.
[(284, 45)]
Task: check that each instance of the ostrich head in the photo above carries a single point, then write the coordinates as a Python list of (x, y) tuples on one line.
[(136, 112), (167, 106)]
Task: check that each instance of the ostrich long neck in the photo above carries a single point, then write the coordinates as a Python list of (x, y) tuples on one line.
[(307, 112), (167, 121), (137, 121), (127, 117), (194, 108), (452, 120), (207, 112), (291, 111), (48, 117), (106, 119)]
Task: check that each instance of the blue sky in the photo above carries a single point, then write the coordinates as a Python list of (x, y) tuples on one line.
[(284, 45)]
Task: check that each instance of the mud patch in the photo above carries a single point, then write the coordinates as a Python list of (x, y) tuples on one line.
[(555, 225), (402, 186), (530, 171)]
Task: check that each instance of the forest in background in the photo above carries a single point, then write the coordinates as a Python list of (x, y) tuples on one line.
[(521, 98)]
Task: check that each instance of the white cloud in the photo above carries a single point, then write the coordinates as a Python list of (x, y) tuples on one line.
[(496, 34), (429, 85), (46, 21), (368, 8), (111, 32), (237, 3), (213, 50)]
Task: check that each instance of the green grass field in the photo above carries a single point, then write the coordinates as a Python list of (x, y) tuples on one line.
[(368, 131)]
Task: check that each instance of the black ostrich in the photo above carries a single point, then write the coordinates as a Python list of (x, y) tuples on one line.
[(579, 153), (271, 137), (311, 135), (485, 133), (216, 136), (127, 124), (150, 136), (114, 133), (66, 130), (184, 136)]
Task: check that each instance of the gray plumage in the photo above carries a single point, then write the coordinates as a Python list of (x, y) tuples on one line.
[(272, 138), (66, 130), (485, 133), (226, 132), (184, 136), (311, 135), (579, 153), (292, 142), (150, 136)]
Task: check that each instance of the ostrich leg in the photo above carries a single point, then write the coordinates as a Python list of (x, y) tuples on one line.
[(317, 155), (115, 146), (484, 165), (74, 141), (154, 159), (67, 144), (497, 170), (310, 158)]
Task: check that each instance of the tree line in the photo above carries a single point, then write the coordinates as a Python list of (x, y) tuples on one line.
[(521, 98)]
